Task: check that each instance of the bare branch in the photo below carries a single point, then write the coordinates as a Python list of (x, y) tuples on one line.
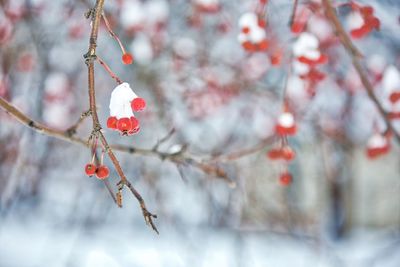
[(355, 57)]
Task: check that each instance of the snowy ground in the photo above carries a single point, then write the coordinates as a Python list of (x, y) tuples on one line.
[(41, 243)]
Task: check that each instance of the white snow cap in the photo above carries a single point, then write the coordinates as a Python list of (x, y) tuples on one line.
[(256, 33), (248, 19), (306, 45), (120, 103), (376, 141), (355, 20), (391, 79), (286, 119)]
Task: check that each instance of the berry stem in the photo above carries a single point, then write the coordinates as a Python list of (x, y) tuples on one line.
[(108, 69), (113, 35)]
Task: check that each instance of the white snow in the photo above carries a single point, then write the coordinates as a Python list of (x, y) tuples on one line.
[(286, 119)]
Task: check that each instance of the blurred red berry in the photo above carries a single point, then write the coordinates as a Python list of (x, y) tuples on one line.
[(288, 153), (274, 154), (263, 45), (394, 96), (245, 30), (285, 179)]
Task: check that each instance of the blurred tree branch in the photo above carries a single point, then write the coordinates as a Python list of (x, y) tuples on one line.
[(355, 57)]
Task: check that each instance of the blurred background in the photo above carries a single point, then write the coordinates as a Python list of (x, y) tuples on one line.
[(221, 102)]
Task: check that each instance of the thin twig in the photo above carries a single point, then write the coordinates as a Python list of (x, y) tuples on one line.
[(113, 35), (108, 69), (72, 130), (355, 57)]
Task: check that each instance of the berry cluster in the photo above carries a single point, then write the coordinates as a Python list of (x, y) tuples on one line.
[(285, 126), (377, 145), (308, 57), (362, 21), (122, 105), (101, 171), (306, 50), (252, 35)]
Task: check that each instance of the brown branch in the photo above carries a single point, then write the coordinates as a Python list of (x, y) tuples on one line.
[(208, 166), (355, 57), (90, 56)]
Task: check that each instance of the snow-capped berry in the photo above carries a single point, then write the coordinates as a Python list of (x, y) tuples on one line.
[(127, 58), (377, 145), (122, 104), (124, 124), (286, 124), (90, 169), (285, 178), (138, 104), (102, 172), (112, 122)]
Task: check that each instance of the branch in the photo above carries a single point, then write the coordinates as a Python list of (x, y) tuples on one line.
[(90, 56), (355, 57), (208, 166)]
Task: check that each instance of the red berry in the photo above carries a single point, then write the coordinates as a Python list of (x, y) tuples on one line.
[(285, 179), (360, 32), (124, 124), (127, 58), (263, 45), (367, 11), (112, 122), (102, 172), (245, 30), (138, 104), (393, 115), (135, 123), (274, 154), (281, 130), (90, 169), (288, 153), (248, 46), (394, 96), (262, 23)]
